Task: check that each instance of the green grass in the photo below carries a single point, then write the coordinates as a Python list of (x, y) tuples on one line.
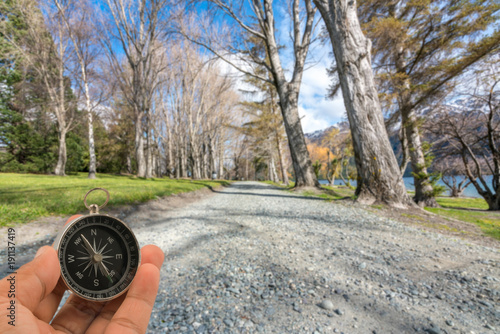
[(407, 215), (25, 197), (291, 184), (336, 192), (488, 222), (471, 210), (466, 203)]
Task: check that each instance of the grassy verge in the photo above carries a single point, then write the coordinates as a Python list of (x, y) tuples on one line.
[(290, 185), (337, 192), (25, 197), (472, 210)]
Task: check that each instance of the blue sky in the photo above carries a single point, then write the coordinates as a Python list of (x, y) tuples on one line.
[(315, 110)]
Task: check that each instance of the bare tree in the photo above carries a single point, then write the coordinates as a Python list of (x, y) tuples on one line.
[(77, 19), (137, 27), (452, 171), (196, 101), (379, 176), (259, 24), (472, 133)]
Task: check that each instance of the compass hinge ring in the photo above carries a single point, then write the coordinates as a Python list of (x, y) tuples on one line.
[(94, 208)]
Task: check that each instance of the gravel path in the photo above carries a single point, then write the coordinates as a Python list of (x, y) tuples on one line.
[(253, 258), (258, 259)]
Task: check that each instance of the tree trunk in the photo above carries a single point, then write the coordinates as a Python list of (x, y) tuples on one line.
[(139, 147), (284, 175), (246, 164), (332, 180), (494, 202), (456, 191), (149, 153), (379, 175), (61, 161), (170, 156), (273, 168), (423, 189), (129, 164), (92, 162), (178, 163), (154, 169), (183, 158), (221, 159), (195, 173), (304, 173), (405, 152), (211, 150), (269, 171)]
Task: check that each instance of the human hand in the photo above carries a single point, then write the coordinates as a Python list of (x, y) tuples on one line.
[(39, 291)]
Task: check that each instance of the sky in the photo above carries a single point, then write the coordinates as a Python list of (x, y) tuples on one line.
[(316, 111)]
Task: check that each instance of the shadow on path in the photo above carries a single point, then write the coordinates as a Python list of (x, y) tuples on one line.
[(248, 189)]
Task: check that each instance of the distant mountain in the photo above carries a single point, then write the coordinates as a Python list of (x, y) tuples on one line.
[(317, 136), (453, 106)]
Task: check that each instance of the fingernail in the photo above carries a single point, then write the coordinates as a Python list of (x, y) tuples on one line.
[(40, 251)]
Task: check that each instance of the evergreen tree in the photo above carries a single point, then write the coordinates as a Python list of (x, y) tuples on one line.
[(419, 47), (27, 145)]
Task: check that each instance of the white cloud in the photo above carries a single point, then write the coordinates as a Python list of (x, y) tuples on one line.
[(315, 110), (319, 113)]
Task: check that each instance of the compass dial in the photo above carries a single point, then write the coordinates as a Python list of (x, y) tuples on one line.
[(99, 256)]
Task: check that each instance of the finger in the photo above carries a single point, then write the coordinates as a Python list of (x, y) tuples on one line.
[(71, 219), (135, 311), (149, 254), (152, 254), (48, 306), (76, 315), (36, 279)]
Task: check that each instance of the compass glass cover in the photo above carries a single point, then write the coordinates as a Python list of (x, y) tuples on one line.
[(99, 256)]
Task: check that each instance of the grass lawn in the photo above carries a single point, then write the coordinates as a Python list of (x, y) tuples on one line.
[(25, 197), (472, 210)]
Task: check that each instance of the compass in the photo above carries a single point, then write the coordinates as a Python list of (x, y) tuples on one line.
[(99, 254)]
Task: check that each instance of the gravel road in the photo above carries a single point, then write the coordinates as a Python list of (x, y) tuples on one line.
[(254, 258)]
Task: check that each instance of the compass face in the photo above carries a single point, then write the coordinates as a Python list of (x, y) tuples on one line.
[(99, 257)]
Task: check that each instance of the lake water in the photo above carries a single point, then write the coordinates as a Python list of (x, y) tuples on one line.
[(470, 191)]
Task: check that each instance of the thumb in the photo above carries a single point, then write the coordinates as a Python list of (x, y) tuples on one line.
[(36, 279)]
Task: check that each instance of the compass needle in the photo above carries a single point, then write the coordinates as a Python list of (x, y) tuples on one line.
[(87, 245), (106, 252), (88, 265), (100, 252)]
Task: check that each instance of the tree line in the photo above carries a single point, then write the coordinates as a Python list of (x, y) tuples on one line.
[(146, 78)]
